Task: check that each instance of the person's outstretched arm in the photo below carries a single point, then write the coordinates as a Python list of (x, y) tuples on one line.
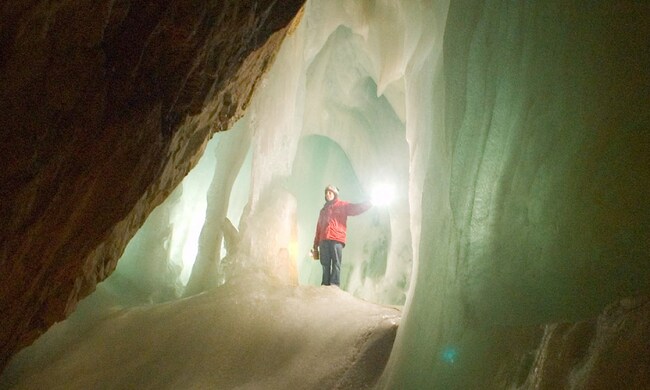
[(357, 208)]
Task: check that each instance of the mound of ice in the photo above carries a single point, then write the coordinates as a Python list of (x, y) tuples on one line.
[(249, 335)]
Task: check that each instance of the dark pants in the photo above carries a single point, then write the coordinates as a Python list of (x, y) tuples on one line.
[(331, 253)]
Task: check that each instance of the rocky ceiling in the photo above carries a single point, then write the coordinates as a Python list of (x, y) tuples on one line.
[(104, 107)]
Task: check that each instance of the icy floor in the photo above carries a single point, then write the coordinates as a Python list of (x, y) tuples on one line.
[(253, 335)]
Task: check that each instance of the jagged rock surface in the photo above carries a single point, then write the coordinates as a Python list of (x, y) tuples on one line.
[(104, 107), (611, 351)]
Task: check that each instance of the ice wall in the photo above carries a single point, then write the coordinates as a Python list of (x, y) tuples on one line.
[(533, 206)]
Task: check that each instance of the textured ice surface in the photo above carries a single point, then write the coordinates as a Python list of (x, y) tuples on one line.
[(257, 334)]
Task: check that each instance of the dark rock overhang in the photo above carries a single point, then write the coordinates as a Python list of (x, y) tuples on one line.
[(104, 108)]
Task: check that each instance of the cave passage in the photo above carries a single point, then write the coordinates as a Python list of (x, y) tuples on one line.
[(515, 136)]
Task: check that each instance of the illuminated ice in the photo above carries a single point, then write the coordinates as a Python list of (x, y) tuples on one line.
[(258, 334)]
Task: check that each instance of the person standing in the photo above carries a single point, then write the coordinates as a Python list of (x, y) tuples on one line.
[(331, 231)]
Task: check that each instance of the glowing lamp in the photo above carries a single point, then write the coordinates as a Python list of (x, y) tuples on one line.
[(382, 194)]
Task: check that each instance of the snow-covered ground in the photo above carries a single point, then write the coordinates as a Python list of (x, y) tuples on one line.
[(256, 334)]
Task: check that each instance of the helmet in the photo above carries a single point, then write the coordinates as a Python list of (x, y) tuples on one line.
[(334, 189)]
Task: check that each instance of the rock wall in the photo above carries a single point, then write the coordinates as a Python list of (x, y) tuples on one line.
[(608, 352), (104, 107)]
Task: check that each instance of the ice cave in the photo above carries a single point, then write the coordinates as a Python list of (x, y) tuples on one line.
[(165, 167)]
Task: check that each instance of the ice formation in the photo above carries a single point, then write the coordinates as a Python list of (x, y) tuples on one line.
[(257, 334), (515, 173)]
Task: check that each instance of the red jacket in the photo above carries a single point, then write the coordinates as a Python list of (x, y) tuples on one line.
[(332, 222)]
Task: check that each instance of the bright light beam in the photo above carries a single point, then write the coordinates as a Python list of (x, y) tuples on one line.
[(382, 194)]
